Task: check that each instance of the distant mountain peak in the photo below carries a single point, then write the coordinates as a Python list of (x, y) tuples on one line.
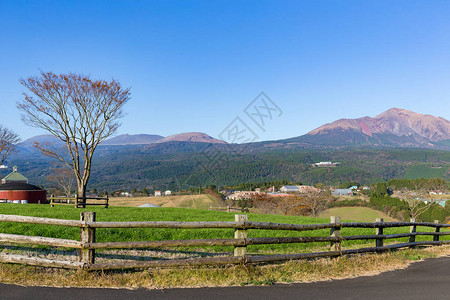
[(198, 137), (133, 139), (394, 127)]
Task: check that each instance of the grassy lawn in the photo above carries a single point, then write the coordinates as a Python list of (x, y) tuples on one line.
[(415, 172), (360, 214), (266, 274), (177, 214)]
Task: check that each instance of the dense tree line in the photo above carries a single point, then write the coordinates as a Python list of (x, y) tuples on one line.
[(418, 184), (380, 199), (183, 166)]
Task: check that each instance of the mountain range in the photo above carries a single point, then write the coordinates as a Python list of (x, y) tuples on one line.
[(398, 128), (394, 144)]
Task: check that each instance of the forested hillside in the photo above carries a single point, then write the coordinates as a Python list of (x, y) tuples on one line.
[(184, 165)]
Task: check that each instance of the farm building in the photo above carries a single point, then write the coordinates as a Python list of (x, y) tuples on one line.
[(242, 195), (289, 188), (14, 176), (324, 164), (299, 189), (20, 192), (340, 192)]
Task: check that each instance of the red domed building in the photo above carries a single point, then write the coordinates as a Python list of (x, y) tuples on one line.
[(15, 188), (19, 192)]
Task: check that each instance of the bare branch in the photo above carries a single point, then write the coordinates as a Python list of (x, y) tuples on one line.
[(79, 111), (8, 141), (63, 178)]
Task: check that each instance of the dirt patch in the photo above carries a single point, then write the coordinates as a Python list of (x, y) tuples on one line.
[(201, 201)]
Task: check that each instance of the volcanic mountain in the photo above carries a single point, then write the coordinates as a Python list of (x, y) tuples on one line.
[(133, 139), (395, 127), (198, 137)]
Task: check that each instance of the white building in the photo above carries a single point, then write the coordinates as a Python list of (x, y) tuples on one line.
[(299, 189)]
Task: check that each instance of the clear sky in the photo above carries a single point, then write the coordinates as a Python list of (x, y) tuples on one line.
[(196, 65)]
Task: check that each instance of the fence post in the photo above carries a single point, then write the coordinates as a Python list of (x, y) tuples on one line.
[(240, 234), (379, 231), (436, 230), (412, 229), (87, 235), (335, 232)]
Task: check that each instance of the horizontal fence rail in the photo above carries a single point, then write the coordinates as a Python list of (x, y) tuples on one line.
[(88, 225), (39, 220)]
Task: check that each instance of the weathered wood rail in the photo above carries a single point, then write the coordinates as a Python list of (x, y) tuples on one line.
[(82, 202), (61, 200), (79, 202), (229, 209), (87, 244)]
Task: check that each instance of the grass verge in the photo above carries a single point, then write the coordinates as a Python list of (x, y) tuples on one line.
[(288, 272)]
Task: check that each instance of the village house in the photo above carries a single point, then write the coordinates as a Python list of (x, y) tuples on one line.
[(299, 189), (278, 195), (325, 164), (242, 195), (341, 192)]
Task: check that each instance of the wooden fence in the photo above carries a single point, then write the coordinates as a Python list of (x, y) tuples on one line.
[(229, 209), (62, 200), (87, 244), (79, 202)]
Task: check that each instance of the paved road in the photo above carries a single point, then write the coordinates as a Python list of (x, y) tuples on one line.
[(423, 280)]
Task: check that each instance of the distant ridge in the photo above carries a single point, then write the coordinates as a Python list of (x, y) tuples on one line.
[(28, 144)]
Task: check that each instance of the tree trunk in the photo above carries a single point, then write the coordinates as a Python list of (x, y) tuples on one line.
[(82, 192)]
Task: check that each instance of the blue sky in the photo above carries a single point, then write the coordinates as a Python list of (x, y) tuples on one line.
[(196, 65)]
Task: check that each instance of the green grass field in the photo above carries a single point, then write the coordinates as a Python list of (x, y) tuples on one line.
[(360, 214), (174, 214), (416, 172)]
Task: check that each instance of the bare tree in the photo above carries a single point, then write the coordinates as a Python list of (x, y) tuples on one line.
[(8, 141), (314, 202), (79, 111), (305, 204), (417, 206), (63, 178)]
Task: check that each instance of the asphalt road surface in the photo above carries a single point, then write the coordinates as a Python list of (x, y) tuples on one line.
[(429, 279)]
